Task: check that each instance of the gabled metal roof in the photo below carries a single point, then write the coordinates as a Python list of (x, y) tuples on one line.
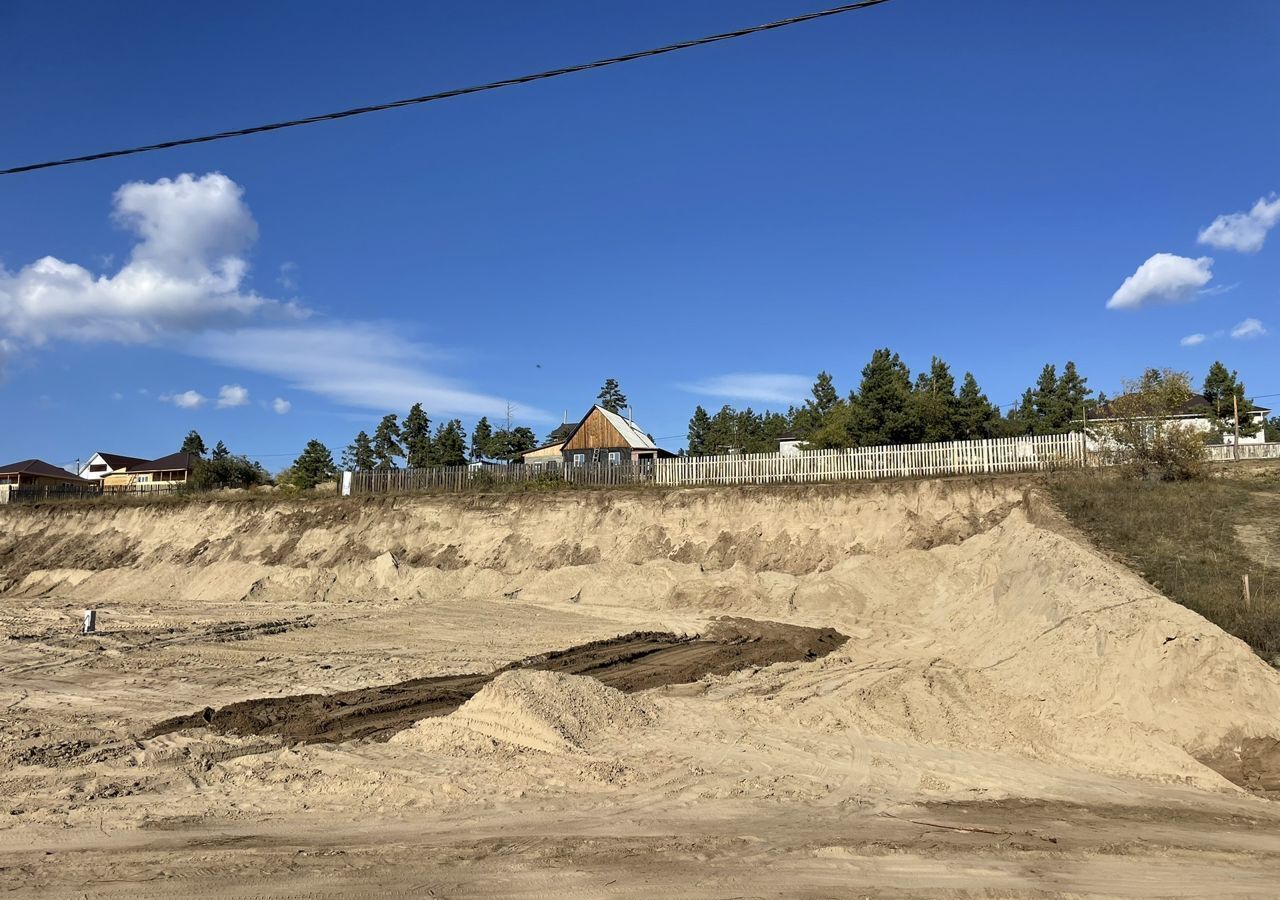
[(631, 432), (38, 468)]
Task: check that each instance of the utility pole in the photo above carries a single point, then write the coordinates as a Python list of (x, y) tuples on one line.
[(1235, 407), (509, 408), (1084, 433)]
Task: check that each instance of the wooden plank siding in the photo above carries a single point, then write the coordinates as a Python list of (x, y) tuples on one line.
[(596, 433)]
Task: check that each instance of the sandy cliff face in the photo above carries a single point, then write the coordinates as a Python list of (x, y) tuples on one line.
[(975, 626), (465, 544)]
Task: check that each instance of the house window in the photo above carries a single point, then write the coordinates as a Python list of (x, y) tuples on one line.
[(579, 459), (615, 458), (98, 467)]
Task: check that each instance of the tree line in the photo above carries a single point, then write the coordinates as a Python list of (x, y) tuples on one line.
[(890, 407), (412, 442), (887, 407), (220, 467)]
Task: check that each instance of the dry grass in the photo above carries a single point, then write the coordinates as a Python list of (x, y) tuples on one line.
[(1194, 540)]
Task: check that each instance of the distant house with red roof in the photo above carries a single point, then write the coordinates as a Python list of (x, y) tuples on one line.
[(36, 473)]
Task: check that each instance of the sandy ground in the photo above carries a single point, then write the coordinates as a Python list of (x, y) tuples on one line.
[(1013, 715)]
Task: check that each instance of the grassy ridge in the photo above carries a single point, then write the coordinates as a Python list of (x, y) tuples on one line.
[(1193, 540)]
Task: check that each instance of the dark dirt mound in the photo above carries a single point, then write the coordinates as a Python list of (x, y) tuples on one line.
[(1253, 763), (632, 662)]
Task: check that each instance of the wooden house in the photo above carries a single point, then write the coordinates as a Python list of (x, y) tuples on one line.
[(607, 437), (101, 465), (546, 455), (175, 468), (32, 473)]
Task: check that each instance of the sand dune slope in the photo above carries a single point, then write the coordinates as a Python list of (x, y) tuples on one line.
[(1003, 683)]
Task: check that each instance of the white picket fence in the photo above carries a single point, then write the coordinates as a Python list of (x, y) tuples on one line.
[(1021, 454), (1227, 453)]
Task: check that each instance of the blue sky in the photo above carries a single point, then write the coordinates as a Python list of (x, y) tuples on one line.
[(973, 180)]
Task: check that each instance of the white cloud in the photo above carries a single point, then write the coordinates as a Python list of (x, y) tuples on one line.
[(185, 273), (1217, 289), (232, 395), (116, 395), (287, 278), (759, 387), (1192, 340), (1163, 278), (280, 406), (185, 400), (358, 365), (1249, 328), (184, 283), (7, 350), (1243, 231)]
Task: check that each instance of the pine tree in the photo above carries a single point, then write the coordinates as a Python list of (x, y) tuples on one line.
[(513, 444), (560, 433), (976, 417), (359, 456), (193, 443), (220, 452), (811, 418), (521, 441), (722, 432), (386, 443), (933, 404), (1045, 401), (449, 447), (1021, 419), (611, 397), (481, 438), (415, 432), (774, 425), (313, 466), (837, 429), (1072, 393), (1220, 386), (881, 412), (750, 436), (825, 397), (699, 426)]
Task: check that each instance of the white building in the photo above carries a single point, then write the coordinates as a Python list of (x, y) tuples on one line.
[(1198, 413), (790, 445), (100, 465)]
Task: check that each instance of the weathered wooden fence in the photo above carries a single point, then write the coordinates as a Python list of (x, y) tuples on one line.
[(12, 494), (1227, 453), (1025, 454), (47, 492), (472, 478)]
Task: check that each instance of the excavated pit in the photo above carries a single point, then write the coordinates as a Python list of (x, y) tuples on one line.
[(629, 663)]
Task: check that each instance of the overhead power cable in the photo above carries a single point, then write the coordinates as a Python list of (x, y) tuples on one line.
[(456, 92)]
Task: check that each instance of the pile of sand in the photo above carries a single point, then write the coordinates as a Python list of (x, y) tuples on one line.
[(536, 710), (976, 621)]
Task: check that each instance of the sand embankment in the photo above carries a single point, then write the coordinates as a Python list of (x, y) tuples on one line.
[(976, 624)]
